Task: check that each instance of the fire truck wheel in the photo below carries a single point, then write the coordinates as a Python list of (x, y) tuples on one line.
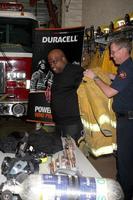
[(6, 195)]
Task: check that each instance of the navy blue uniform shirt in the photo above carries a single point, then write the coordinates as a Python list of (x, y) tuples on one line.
[(123, 82), (64, 99)]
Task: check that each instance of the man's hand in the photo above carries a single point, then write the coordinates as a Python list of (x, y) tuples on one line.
[(111, 76), (89, 73), (107, 90)]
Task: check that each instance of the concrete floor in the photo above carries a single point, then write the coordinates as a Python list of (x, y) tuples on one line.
[(105, 165)]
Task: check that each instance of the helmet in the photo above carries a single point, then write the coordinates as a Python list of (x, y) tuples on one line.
[(42, 64)]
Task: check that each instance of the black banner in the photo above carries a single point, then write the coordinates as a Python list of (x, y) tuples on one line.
[(70, 40)]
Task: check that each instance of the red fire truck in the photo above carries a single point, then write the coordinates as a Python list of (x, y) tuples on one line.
[(16, 30)]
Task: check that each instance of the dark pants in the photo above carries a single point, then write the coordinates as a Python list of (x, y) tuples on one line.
[(73, 130), (125, 155)]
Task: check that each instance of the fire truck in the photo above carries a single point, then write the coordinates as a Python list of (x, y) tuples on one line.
[(16, 39)]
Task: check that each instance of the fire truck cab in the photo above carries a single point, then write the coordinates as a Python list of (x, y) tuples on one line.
[(16, 30)]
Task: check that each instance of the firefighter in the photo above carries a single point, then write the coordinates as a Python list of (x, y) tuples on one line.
[(121, 89), (41, 79)]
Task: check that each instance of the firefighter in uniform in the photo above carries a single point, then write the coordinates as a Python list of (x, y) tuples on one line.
[(41, 79), (121, 89)]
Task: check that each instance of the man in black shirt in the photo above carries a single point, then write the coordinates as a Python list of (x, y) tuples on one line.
[(121, 90), (64, 99)]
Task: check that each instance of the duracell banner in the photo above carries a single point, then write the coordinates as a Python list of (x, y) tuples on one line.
[(70, 40)]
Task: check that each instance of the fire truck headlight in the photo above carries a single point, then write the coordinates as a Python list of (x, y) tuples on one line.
[(18, 110), (16, 75), (21, 75)]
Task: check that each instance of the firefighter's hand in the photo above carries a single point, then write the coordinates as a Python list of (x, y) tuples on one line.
[(111, 76), (89, 73)]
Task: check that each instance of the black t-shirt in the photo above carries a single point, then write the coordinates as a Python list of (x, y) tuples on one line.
[(64, 99), (123, 101)]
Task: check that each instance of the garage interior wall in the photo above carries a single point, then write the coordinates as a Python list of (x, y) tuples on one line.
[(101, 12), (71, 13), (82, 12)]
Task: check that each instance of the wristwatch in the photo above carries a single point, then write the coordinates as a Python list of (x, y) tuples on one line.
[(96, 78)]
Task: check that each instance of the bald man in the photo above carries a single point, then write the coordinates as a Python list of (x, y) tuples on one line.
[(64, 99)]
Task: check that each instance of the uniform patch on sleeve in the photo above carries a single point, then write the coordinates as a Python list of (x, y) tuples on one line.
[(122, 75)]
